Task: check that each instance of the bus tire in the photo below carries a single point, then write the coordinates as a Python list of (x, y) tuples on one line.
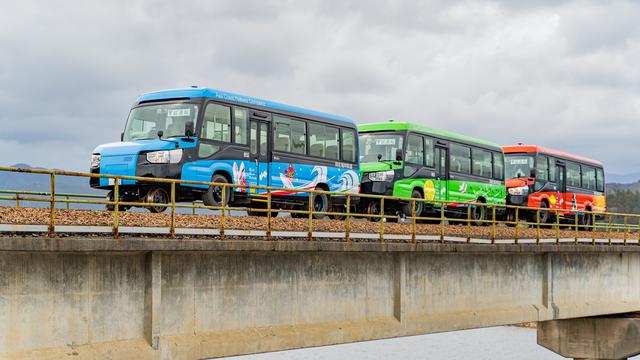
[(373, 209), (479, 214), (213, 195), (320, 203), (157, 196), (406, 209), (110, 207), (338, 209)]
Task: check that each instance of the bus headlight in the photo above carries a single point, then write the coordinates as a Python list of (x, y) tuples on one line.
[(381, 175), (520, 190), (165, 157), (95, 160)]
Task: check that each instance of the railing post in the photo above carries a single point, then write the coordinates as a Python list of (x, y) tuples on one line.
[(52, 222), (557, 227), (593, 228), (516, 225), (469, 223), (67, 197), (577, 228), (442, 204), (493, 224), (310, 209), (268, 214), (625, 230), (381, 219), (17, 199), (538, 226), (222, 215), (609, 229), (193, 209), (348, 219), (116, 207), (172, 227), (638, 228), (413, 221)]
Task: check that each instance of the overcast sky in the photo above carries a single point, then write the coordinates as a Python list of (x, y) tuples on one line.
[(561, 74)]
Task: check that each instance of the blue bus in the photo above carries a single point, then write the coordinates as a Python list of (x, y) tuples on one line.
[(202, 134)]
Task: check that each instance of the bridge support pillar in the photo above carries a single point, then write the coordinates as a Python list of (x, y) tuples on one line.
[(152, 298), (607, 337)]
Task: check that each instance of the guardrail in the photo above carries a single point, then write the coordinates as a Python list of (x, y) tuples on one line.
[(597, 231)]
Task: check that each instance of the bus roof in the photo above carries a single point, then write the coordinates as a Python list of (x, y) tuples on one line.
[(521, 148), (235, 98), (392, 125)]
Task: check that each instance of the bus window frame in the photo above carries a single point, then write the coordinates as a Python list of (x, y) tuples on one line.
[(356, 145), (306, 136), (308, 125), (405, 146), (494, 154), (220, 143), (477, 149)]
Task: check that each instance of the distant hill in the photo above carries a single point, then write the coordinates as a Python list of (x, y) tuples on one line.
[(40, 182), (623, 178)]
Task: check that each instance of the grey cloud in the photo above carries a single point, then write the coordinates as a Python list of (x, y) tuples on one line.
[(562, 74)]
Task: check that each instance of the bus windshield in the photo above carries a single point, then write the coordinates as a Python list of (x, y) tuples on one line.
[(518, 166), (383, 144), (145, 121)]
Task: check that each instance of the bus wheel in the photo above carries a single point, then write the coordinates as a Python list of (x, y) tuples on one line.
[(479, 214), (406, 209), (338, 209), (213, 195), (157, 196), (545, 215), (112, 207), (320, 205), (373, 209)]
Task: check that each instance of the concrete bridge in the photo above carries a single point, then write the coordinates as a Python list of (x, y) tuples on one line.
[(156, 298)]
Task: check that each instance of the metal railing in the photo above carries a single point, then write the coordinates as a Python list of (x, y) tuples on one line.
[(525, 223)]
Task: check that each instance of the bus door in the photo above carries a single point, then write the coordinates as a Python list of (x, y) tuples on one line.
[(442, 172), (260, 150), (561, 180)]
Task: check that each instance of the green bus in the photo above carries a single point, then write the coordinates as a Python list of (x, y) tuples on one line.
[(413, 161)]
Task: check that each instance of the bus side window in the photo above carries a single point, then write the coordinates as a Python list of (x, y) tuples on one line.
[(217, 123), (290, 135), (588, 177), (428, 152), (348, 145), (323, 141), (240, 126), (573, 174), (542, 169), (599, 180), (498, 166), (460, 159), (481, 163), (415, 150)]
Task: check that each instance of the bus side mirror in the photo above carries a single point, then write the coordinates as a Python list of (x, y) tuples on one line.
[(532, 173), (188, 129), (121, 136), (398, 154)]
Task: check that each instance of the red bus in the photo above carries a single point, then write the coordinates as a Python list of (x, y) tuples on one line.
[(554, 181)]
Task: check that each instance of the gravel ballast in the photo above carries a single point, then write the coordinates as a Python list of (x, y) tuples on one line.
[(40, 216)]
